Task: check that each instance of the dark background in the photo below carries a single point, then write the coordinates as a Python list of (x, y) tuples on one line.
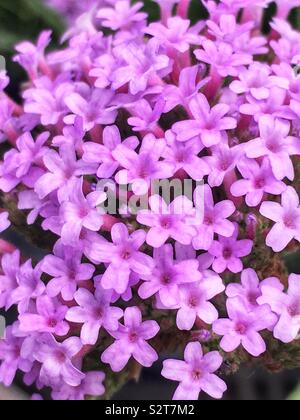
[(24, 19)]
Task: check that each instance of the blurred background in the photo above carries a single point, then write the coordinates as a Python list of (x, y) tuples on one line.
[(24, 19)]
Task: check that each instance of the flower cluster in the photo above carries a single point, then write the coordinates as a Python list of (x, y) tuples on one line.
[(133, 102)]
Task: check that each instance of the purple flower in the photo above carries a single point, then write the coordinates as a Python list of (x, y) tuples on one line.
[(274, 106), (194, 301), (208, 122), (215, 220), (143, 167), (31, 56), (122, 15), (286, 306), (141, 65), (11, 357), (168, 275), (222, 57), (57, 361), (287, 219), (257, 181), (229, 251), (257, 81), (72, 136), (243, 327), (275, 143), (48, 318), (47, 99), (102, 154), (67, 271), (4, 221), (80, 212), (131, 341), (62, 169), (29, 286), (144, 117), (10, 265), (168, 221), (176, 35), (123, 256), (94, 109), (195, 373), (222, 162), (94, 312), (188, 87), (250, 289), (24, 163), (91, 385), (184, 156)]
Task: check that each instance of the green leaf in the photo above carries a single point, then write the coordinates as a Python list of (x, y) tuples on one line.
[(295, 396)]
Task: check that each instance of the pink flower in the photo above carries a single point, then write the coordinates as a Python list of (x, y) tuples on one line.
[(142, 168), (24, 164), (144, 117), (185, 156), (57, 361), (30, 56), (208, 123), (91, 385), (250, 289), (67, 271), (10, 265), (229, 251), (168, 221), (257, 181), (48, 318), (215, 221), (141, 65), (123, 256), (257, 80), (287, 219), (275, 142), (131, 341), (29, 286), (222, 57), (94, 312), (12, 358), (195, 373), (188, 87), (46, 99), (286, 306), (102, 154), (62, 170), (95, 109), (168, 275), (222, 162), (177, 34), (243, 327), (80, 212), (195, 301), (122, 15)]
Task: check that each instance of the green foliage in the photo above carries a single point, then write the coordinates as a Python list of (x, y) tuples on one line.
[(197, 11), (295, 396), (24, 20)]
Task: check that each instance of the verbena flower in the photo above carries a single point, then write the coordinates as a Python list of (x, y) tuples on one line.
[(124, 103), (195, 374)]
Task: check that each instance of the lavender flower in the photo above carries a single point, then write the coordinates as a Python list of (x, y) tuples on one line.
[(131, 341), (195, 373), (243, 327), (94, 312), (286, 217)]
